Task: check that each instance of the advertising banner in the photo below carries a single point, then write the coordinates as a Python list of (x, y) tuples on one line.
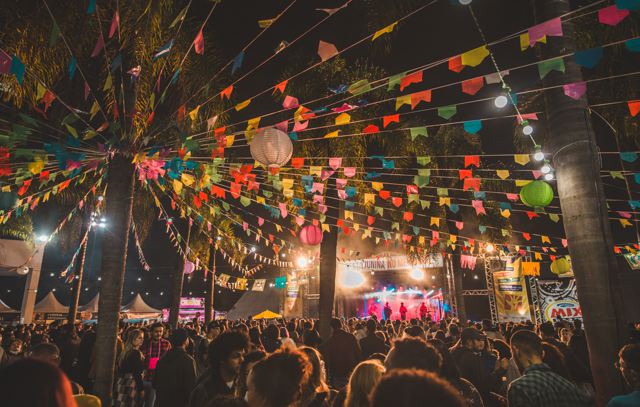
[(559, 299), (512, 302)]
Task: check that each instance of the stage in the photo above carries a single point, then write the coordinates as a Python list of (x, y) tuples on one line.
[(411, 299)]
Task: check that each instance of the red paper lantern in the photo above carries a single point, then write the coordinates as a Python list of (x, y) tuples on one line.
[(311, 235)]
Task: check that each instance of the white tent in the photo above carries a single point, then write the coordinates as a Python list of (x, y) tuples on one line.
[(50, 305), (5, 309), (138, 306), (91, 306)]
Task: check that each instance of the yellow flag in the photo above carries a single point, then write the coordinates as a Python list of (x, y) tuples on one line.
[(503, 174), (545, 239), (525, 41), (315, 170), (342, 118), (403, 100), (506, 213), (193, 115), (45, 198), (348, 215), (434, 221), (260, 200), (522, 159), (278, 227), (453, 238), (385, 30), (230, 140), (242, 105), (625, 223), (6, 188), (325, 228), (253, 123), (187, 179), (287, 183), (36, 167), (445, 201), (177, 186), (377, 185), (288, 193), (108, 83), (475, 56), (356, 226), (522, 182), (369, 198), (421, 240), (332, 134)]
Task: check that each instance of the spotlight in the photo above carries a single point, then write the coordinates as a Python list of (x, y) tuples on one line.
[(351, 278), (253, 250), (102, 225), (416, 274), (100, 198), (527, 130), (99, 278), (283, 255), (93, 223), (501, 101), (433, 277), (302, 262), (548, 176), (489, 248), (103, 220), (475, 276), (42, 238), (546, 169)]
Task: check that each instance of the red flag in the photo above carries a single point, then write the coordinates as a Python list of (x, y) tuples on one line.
[(198, 43), (472, 86), (372, 128), (424, 96), (297, 162), (98, 47), (394, 118), (455, 64), (471, 160), (115, 23), (415, 77), (227, 92), (281, 86), (634, 107)]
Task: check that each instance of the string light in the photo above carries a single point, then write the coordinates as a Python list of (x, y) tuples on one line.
[(465, 2), (489, 248), (501, 101), (546, 168), (538, 155), (527, 130), (548, 176)]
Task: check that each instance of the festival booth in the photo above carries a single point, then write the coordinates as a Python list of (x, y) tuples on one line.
[(267, 314), (137, 309), (366, 285), (51, 308), (254, 302), (90, 309), (7, 313)]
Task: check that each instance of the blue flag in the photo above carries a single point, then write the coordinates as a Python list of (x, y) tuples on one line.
[(164, 50)]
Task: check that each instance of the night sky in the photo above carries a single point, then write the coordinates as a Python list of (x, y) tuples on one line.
[(439, 31)]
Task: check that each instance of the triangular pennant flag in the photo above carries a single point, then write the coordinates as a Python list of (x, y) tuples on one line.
[(385, 30)]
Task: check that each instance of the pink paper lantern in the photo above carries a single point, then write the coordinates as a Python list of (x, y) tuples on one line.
[(311, 235), (189, 267)]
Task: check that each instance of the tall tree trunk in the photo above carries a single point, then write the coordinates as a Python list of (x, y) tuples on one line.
[(114, 257), (585, 216), (457, 287), (328, 253), (77, 286), (209, 312), (177, 281)]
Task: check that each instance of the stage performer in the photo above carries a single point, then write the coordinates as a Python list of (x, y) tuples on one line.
[(387, 311), (403, 312), (423, 311)]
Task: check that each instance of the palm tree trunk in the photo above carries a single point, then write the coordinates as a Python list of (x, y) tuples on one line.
[(114, 256), (328, 253), (209, 313), (177, 279), (77, 286), (584, 210)]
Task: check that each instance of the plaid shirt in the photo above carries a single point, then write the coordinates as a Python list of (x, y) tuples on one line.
[(154, 350), (539, 386)]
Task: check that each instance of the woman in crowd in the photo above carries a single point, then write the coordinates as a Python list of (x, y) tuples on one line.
[(129, 388), (271, 338), (250, 359), (30, 382), (362, 381), (317, 392)]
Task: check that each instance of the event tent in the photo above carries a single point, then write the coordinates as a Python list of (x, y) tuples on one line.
[(5, 309), (253, 302), (91, 306), (138, 306), (50, 305), (266, 314)]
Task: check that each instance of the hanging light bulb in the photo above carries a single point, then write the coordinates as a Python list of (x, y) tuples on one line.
[(538, 155), (489, 248), (465, 2), (548, 176), (546, 168), (527, 130), (501, 101)]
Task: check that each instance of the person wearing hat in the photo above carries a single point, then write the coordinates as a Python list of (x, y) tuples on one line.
[(467, 354)]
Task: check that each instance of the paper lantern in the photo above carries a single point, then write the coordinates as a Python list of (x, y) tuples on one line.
[(560, 266), (8, 200), (311, 235), (537, 194), (189, 267), (271, 147)]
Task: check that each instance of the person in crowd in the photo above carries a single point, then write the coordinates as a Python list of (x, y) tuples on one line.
[(467, 354), (15, 352), (227, 401), (403, 312), (153, 351), (212, 331), (387, 311), (250, 359), (130, 367), (271, 338), (310, 335), (175, 374), (49, 352), (225, 356), (629, 366), (279, 380), (565, 335), (254, 339), (403, 387), (3, 354), (553, 358), (69, 344), (490, 330), (30, 382), (372, 343), (539, 386), (317, 393), (453, 334), (285, 339), (341, 354), (423, 312), (362, 381)]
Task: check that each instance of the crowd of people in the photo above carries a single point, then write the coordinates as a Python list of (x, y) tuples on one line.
[(281, 363)]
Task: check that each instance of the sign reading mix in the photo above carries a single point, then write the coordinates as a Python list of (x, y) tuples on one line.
[(559, 298), (512, 302)]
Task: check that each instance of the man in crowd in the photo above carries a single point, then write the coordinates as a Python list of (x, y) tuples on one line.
[(341, 354), (49, 352), (175, 373), (403, 312), (213, 330), (629, 366), (404, 387), (468, 359), (539, 386), (225, 356), (387, 311), (153, 351), (423, 312), (372, 343)]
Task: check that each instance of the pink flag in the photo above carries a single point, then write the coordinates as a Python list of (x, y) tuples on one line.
[(527, 116), (551, 28), (87, 89), (512, 197), (198, 43), (536, 174), (317, 187), (612, 15), (299, 220), (282, 126), (479, 207), (345, 107), (459, 225), (326, 50), (318, 199), (335, 162), (341, 183), (260, 221), (114, 24), (297, 126), (342, 194), (283, 209), (322, 208), (326, 174), (349, 171), (575, 90), (290, 102), (98, 47)]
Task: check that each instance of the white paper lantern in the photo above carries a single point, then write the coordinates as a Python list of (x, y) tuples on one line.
[(271, 147)]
